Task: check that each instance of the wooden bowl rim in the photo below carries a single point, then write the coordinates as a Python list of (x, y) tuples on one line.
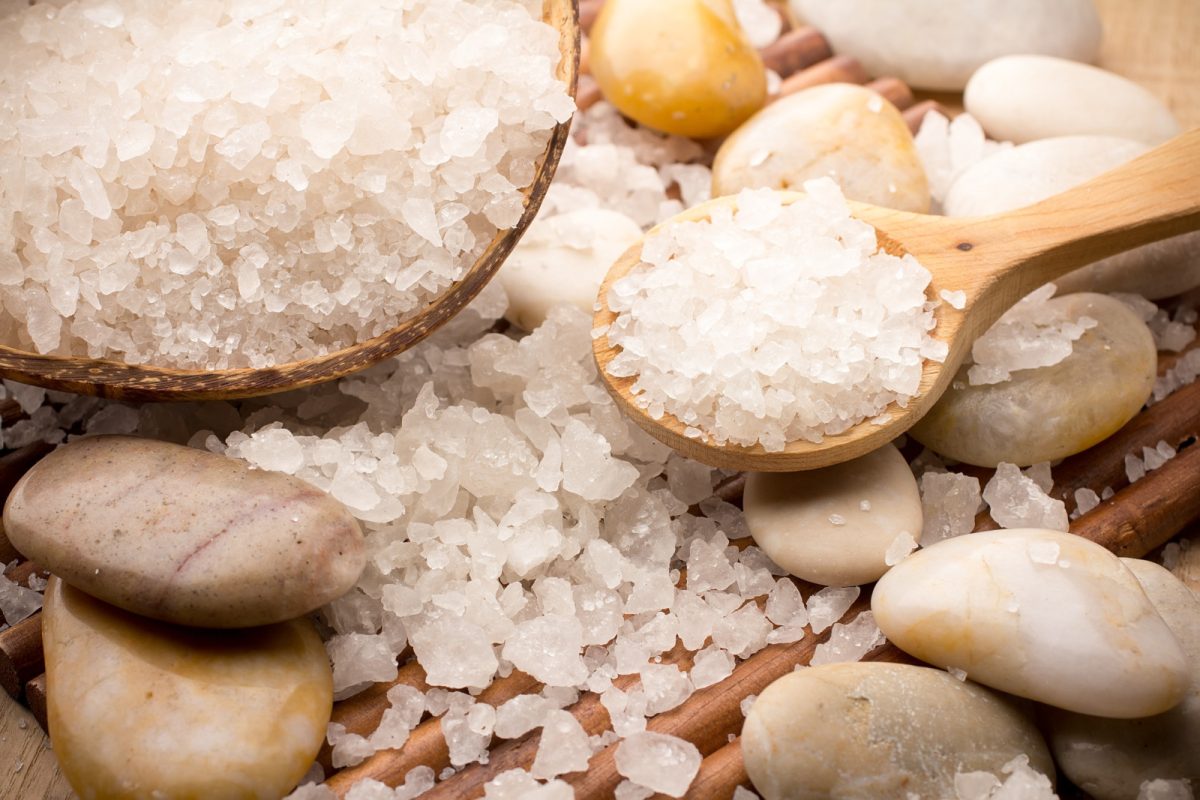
[(121, 381)]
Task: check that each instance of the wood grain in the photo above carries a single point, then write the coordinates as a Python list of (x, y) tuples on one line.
[(994, 260), (112, 379)]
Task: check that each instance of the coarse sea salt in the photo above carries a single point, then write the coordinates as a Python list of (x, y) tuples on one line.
[(772, 323), (1031, 334), (243, 185)]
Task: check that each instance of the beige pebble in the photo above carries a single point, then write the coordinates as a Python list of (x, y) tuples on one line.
[(842, 131), (1041, 614), (1022, 98), (1049, 413), (935, 44), (880, 731), (142, 709), (835, 526), (1109, 758), (1023, 175), (182, 535), (563, 259)]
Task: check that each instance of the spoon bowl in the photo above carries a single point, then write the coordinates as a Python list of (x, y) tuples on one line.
[(121, 381), (994, 260)]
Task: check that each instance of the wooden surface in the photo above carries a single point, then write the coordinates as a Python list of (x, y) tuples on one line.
[(1154, 43), (995, 260), (122, 381)]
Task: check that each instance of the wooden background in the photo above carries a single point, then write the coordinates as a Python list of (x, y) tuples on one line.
[(1154, 42)]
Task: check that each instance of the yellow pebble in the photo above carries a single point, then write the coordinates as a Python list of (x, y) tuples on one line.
[(678, 66)]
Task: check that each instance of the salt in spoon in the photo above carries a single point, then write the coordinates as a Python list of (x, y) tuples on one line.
[(994, 260)]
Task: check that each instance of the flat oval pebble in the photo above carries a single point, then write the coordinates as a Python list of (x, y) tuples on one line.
[(845, 132), (143, 709), (182, 535), (1020, 176), (1020, 98), (1040, 614), (835, 526), (1049, 413), (563, 259), (1108, 758), (934, 44), (874, 730)]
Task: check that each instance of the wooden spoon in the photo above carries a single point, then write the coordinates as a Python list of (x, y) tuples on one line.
[(114, 379), (995, 260)]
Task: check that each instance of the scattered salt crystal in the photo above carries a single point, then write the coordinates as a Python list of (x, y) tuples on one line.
[(349, 749), (784, 604), (17, 602), (849, 641), (564, 747), (1163, 789), (947, 148), (664, 686), (899, 549), (760, 22), (950, 502), (711, 666), (1135, 469), (864, 505), (742, 793), (658, 761), (1016, 501), (628, 790), (313, 791), (548, 649), (837, 519), (1043, 552), (956, 299), (695, 356), (1086, 500), (360, 658), (959, 674), (747, 703), (1022, 783), (828, 605)]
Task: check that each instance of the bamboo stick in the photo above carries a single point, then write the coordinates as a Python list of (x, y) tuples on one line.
[(20, 654), (35, 698)]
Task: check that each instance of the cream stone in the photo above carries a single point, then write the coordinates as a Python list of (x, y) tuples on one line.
[(1049, 413), (874, 730), (1026, 174), (1041, 614), (563, 259), (143, 709), (1021, 98), (1108, 758), (933, 44), (842, 131), (835, 526), (183, 536)]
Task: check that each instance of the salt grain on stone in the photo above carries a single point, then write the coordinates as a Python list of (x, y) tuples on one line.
[(1031, 334), (849, 641), (710, 320), (950, 502)]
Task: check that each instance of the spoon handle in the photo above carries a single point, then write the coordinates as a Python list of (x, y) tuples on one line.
[(1150, 198)]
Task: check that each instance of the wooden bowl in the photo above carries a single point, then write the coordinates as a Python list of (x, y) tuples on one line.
[(117, 380)]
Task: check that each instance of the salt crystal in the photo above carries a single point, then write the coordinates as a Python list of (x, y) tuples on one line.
[(760, 22), (849, 641), (1031, 334), (950, 502), (660, 762), (1163, 789), (959, 674), (1016, 501), (563, 747), (742, 793), (628, 790), (1086, 500), (665, 687), (828, 605), (521, 714), (17, 602), (901, 546), (711, 666), (1041, 552), (747, 703), (360, 658), (548, 649), (349, 749), (956, 299), (1135, 469), (837, 519)]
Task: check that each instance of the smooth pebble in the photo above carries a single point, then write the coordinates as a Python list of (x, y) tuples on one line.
[(933, 44), (1109, 759), (1021, 98), (1041, 614), (1020, 176), (1049, 413), (876, 730), (182, 535), (143, 709), (835, 526), (563, 259), (845, 132), (678, 66)]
